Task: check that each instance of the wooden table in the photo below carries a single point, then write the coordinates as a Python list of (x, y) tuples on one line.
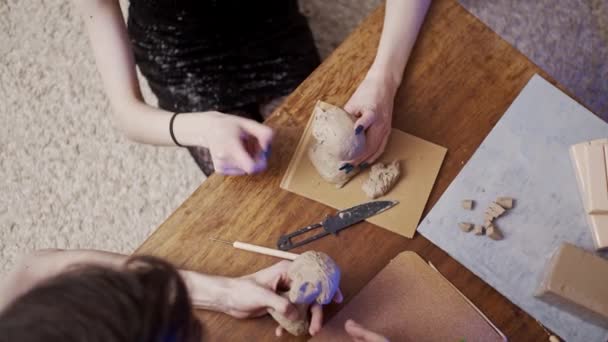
[(459, 81)]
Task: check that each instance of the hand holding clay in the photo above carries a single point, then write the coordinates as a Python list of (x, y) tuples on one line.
[(372, 104), (253, 295), (313, 280)]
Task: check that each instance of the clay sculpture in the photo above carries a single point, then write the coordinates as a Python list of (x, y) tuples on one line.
[(314, 277), (335, 142), (381, 179)]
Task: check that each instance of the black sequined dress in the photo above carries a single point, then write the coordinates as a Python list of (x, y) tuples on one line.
[(224, 55)]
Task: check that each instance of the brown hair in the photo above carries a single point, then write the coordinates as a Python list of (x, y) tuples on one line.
[(145, 302)]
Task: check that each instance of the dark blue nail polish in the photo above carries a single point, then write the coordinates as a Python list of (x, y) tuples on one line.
[(363, 165), (358, 130), (345, 166), (267, 152), (348, 170)]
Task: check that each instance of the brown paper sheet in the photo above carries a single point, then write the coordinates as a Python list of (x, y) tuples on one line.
[(410, 301), (420, 164)]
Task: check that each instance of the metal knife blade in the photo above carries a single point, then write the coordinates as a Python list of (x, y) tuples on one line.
[(347, 217)]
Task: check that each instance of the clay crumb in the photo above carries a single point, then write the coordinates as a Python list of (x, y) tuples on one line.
[(505, 202), (468, 204), (465, 226), (478, 230), (493, 232), (381, 179)]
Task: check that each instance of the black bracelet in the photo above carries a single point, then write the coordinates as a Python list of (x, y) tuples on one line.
[(171, 130)]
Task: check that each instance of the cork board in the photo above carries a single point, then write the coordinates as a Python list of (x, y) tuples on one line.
[(420, 162), (410, 301)]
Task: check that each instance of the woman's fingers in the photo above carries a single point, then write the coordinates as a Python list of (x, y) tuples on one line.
[(316, 319), (338, 297), (242, 159), (359, 333), (377, 136), (231, 171), (261, 132), (379, 151), (366, 120), (279, 304)]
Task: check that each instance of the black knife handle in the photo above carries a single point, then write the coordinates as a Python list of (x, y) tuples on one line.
[(285, 243)]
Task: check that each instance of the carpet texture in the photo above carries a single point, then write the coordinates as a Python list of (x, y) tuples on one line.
[(69, 179)]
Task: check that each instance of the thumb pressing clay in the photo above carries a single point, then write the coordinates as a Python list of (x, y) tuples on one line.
[(381, 179), (335, 142), (314, 277)]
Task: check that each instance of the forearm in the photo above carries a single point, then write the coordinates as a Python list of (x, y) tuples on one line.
[(208, 292), (114, 58), (402, 22)]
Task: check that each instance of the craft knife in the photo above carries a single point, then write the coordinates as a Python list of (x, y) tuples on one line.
[(335, 223)]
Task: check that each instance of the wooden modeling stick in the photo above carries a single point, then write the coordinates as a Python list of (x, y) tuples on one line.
[(259, 249)]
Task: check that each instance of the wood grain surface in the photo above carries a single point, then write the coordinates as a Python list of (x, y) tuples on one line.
[(460, 79)]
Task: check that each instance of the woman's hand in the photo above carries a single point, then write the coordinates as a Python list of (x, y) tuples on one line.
[(359, 334), (256, 293), (372, 104), (238, 146), (253, 295)]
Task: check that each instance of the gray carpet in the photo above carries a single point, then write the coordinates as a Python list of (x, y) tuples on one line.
[(566, 38), (69, 179)]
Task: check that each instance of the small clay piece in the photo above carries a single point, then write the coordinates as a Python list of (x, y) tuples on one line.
[(478, 230), (381, 179), (335, 142), (314, 277), (554, 338), (468, 204), (494, 210), (505, 202), (493, 232), (465, 226), (488, 219)]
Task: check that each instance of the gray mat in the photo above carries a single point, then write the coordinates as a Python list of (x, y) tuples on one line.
[(525, 156)]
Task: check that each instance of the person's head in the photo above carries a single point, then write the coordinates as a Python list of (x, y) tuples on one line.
[(146, 301)]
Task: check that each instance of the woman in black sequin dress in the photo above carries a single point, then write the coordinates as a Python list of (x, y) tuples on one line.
[(223, 65)]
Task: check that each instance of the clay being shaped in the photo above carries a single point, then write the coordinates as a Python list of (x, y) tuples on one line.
[(314, 277), (381, 179), (335, 141)]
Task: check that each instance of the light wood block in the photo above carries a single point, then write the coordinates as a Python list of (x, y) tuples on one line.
[(597, 191)]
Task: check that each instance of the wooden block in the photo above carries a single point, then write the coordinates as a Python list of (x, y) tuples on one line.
[(575, 281), (597, 191), (493, 232), (597, 223), (468, 204), (577, 156), (505, 202), (478, 230), (465, 226)]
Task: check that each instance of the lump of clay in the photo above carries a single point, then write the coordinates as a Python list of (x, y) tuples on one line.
[(335, 141), (381, 179), (314, 277), (296, 328)]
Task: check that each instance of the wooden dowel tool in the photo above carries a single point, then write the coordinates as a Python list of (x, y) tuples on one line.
[(259, 249)]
